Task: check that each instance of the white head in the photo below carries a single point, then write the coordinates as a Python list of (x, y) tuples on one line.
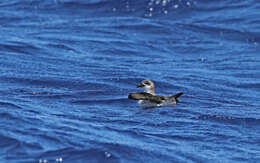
[(148, 86)]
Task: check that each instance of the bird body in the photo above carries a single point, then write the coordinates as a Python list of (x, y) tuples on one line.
[(150, 99)]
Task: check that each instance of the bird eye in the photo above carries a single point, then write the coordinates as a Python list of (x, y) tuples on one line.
[(147, 83)]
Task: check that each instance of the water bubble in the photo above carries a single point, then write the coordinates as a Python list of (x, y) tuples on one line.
[(148, 14), (164, 3), (59, 159), (150, 3), (127, 5), (43, 161), (108, 154), (176, 6)]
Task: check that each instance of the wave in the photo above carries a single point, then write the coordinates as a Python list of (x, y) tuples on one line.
[(103, 7), (105, 102), (77, 155), (9, 105), (18, 47), (230, 119)]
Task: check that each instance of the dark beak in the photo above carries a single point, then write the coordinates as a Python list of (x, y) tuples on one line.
[(140, 85)]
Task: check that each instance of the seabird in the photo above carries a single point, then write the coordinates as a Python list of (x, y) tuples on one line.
[(150, 99)]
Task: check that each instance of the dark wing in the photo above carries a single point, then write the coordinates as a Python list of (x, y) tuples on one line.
[(139, 96), (146, 96), (157, 99)]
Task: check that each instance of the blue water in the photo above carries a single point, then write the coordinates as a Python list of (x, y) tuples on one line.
[(67, 67)]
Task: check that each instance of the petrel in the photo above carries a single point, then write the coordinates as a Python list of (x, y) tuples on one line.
[(150, 99)]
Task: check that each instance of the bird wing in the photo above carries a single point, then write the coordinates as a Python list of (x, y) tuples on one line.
[(139, 96), (146, 96)]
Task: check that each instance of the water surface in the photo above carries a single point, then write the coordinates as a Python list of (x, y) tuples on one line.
[(67, 67)]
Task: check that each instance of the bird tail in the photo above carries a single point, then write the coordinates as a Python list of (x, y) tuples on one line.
[(177, 95)]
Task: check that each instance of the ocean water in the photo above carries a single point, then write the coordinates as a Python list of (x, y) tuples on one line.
[(67, 67)]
